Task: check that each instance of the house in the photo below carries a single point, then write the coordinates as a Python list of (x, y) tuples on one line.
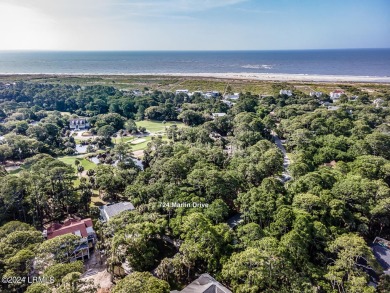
[(353, 98), (235, 220), (286, 92), (230, 104), (211, 94), (234, 96), (335, 95), (316, 94), (78, 124), (111, 210), (331, 164), (378, 102), (204, 284), (215, 115), (381, 250), (195, 92), (333, 108), (137, 92), (181, 92), (82, 228)]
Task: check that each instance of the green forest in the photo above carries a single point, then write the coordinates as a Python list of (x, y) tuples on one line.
[(306, 178)]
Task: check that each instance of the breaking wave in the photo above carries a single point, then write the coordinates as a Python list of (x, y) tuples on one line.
[(257, 66)]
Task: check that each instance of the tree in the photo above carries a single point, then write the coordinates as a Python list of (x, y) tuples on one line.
[(262, 268), (139, 241), (204, 243), (122, 152), (217, 211), (379, 144), (106, 131), (57, 250), (191, 117), (72, 283), (131, 126), (140, 283), (59, 271), (38, 288), (80, 169), (345, 272)]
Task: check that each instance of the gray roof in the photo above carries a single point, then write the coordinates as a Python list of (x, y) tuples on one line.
[(204, 284), (235, 220), (382, 255), (111, 210)]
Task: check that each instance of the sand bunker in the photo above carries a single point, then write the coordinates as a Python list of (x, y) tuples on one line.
[(137, 141)]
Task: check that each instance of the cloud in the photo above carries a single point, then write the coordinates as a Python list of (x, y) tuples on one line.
[(173, 6), (25, 28)]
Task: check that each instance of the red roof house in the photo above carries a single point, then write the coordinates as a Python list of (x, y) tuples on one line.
[(81, 228)]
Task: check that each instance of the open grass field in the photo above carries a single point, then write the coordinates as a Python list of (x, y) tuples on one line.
[(70, 160), (144, 144), (124, 139), (153, 126)]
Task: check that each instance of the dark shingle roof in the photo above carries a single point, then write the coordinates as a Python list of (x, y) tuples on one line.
[(382, 254)]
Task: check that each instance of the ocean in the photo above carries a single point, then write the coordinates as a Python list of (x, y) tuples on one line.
[(352, 62)]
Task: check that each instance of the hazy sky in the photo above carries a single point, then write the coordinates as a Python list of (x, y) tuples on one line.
[(193, 24)]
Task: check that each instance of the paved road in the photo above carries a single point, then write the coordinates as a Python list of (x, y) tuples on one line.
[(286, 161)]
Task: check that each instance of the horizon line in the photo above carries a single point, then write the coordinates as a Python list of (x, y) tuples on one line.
[(205, 50)]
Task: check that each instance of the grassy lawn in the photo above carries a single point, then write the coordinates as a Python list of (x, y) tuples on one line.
[(157, 126), (124, 139), (143, 145), (70, 160)]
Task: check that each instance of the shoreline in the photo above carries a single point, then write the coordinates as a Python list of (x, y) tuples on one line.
[(281, 77)]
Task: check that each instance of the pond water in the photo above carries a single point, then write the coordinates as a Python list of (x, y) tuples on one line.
[(94, 160), (81, 149)]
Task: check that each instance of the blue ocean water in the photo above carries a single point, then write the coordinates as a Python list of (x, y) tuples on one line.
[(355, 62)]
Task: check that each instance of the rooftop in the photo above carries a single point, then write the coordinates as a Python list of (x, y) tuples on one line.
[(381, 250), (109, 211), (81, 228), (204, 284)]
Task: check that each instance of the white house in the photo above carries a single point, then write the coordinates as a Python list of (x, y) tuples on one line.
[(335, 95), (211, 94), (78, 124), (137, 93), (215, 115), (286, 92), (316, 94), (195, 92), (181, 92), (234, 96), (378, 102), (230, 104)]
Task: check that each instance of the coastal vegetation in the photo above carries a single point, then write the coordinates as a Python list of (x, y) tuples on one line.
[(281, 193)]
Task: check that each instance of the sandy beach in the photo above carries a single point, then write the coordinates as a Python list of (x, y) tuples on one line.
[(281, 77), (285, 77)]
